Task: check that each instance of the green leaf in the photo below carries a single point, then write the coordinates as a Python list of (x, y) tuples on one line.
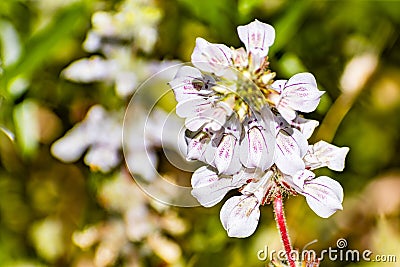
[(40, 47), (27, 127)]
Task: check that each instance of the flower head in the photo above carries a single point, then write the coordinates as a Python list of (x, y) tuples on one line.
[(248, 130)]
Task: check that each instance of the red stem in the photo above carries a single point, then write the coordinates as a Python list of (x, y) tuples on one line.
[(281, 223)]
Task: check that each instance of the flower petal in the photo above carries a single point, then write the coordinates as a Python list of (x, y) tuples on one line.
[(192, 107), (323, 154), (305, 126), (301, 92), (92, 69), (257, 148), (196, 146), (290, 149), (214, 58), (189, 82), (240, 215), (257, 37), (226, 158), (324, 196), (300, 177), (208, 187)]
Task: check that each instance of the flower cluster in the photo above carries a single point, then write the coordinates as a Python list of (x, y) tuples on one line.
[(116, 37), (248, 129)]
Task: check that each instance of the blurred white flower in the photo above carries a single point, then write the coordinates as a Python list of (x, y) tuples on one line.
[(100, 132)]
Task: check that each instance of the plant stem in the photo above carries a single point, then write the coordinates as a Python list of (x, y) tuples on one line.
[(281, 223)]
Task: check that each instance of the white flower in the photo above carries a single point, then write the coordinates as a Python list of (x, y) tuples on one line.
[(323, 154), (299, 93), (323, 194), (101, 131), (245, 127)]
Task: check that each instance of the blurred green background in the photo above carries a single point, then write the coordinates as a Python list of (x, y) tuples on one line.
[(58, 214)]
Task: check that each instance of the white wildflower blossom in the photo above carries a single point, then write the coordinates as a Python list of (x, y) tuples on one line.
[(250, 132), (100, 131)]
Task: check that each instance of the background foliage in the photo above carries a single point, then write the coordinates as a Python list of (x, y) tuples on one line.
[(352, 48)]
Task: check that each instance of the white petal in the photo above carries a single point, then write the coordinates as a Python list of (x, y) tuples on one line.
[(208, 188), (240, 215), (257, 37), (278, 85), (216, 117), (257, 149), (125, 83), (192, 107), (196, 147), (142, 163), (189, 82), (324, 196), (227, 155), (305, 126), (290, 149), (203, 176), (90, 70), (300, 177), (70, 147), (102, 158), (245, 175), (215, 58), (301, 92), (323, 154), (288, 113)]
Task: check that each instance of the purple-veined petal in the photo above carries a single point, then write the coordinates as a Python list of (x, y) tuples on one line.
[(192, 107), (240, 215), (290, 149), (196, 146), (208, 187), (288, 113), (305, 126), (278, 85), (300, 177), (246, 174), (323, 154), (301, 92), (189, 82), (257, 148), (324, 196), (257, 37), (240, 58), (258, 186), (226, 157), (214, 58), (217, 116)]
